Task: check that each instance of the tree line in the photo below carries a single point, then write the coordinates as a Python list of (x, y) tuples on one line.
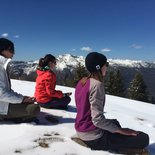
[(114, 85)]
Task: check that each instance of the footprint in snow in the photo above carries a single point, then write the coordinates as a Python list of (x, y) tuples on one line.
[(47, 139), (140, 119), (150, 125), (44, 141)]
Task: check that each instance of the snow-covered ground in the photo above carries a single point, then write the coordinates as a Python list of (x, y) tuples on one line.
[(54, 139)]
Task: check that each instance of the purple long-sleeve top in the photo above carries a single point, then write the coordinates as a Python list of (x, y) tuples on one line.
[(90, 121)]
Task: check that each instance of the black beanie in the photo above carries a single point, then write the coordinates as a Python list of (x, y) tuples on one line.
[(6, 44), (95, 61)]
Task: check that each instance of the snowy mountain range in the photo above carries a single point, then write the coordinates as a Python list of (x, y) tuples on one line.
[(67, 63), (70, 61)]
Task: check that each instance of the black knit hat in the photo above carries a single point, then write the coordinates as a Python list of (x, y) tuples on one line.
[(95, 61), (6, 44)]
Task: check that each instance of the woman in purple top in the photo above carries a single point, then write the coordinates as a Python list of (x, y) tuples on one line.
[(98, 132)]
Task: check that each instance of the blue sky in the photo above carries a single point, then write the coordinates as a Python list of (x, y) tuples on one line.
[(120, 29)]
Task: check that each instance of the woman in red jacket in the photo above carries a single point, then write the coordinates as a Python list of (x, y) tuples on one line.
[(45, 93)]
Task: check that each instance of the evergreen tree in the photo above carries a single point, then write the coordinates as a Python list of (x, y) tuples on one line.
[(80, 71), (152, 100), (119, 84), (68, 80), (109, 80), (137, 89), (114, 84)]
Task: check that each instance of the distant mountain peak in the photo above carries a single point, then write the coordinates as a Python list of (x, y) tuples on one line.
[(68, 61), (131, 63)]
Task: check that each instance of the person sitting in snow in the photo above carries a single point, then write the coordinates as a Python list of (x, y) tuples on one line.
[(13, 106), (45, 93), (92, 127)]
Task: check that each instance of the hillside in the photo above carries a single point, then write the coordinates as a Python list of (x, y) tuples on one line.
[(27, 138)]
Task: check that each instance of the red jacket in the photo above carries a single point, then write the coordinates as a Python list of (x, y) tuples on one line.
[(45, 86)]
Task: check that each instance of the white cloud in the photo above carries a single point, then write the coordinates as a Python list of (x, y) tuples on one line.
[(73, 49), (87, 49), (136, 46), (105, 50), (4, 34), (16, 36)]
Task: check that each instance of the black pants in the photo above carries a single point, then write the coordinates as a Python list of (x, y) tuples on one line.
[(56, 103), (110, 141), (21, 111), (115, 141)]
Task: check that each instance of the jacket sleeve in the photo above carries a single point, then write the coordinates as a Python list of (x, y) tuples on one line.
[(9, 96), (97, 101), (50, 84), (6, 94)]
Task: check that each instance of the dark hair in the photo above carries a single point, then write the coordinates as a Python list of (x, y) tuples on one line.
[(6, 44), (43, 62)]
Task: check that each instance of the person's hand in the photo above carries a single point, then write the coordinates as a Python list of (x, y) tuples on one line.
[(128, 132), (28, 99), (67, 94)]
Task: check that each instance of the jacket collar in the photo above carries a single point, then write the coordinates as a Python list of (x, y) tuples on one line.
[(4, 61)]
